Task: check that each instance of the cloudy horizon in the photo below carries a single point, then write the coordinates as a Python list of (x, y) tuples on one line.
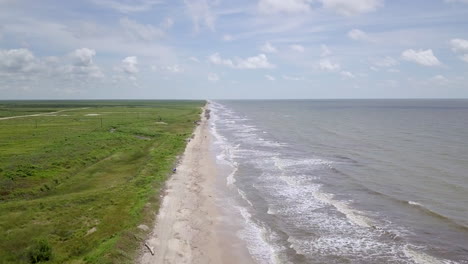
[(214, 49)]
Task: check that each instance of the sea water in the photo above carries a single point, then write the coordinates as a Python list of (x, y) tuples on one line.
[(347, 181)]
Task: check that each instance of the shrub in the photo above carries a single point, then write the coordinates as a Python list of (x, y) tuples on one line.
[(40, 251)]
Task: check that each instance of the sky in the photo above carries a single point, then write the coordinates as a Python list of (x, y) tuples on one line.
[(233, 49)]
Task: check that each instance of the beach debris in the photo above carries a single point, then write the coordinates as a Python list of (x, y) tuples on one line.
[(174, 170), (143, 227), (92, 230), (150, 248)]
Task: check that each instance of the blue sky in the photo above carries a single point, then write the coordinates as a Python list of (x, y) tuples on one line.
[(272, 49)]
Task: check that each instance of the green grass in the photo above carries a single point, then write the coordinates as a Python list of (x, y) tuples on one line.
[(75, 186)]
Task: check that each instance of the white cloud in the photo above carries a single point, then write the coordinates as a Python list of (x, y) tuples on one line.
[(130, 65), (168, 68), (357, 34), (459, 45), (385, 62), (212, 77), (347, 74), (270, 78), (138, 31), (215, 58), (268, 48), (297, 48), (325, 51), (17, 61), (327, 65), (256, 62), (352, 7), (201, 14), (292, 78), (439, 79), (194, 59), (283, 6), (422, 57), (83, 56), (83, 63), (128, 6), (22, 65)]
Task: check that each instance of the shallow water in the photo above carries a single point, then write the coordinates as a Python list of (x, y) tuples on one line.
[(347, 181)]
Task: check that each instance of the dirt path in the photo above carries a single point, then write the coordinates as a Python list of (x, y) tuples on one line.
[(42, 114)]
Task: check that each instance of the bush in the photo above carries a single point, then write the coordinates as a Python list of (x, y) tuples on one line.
[(40, 251)]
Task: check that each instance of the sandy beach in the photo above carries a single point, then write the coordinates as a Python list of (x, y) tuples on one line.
[(187, 225)]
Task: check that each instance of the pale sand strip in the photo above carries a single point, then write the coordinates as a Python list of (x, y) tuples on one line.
[(188, 220)]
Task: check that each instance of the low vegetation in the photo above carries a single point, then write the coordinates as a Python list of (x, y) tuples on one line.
[(75, 185)]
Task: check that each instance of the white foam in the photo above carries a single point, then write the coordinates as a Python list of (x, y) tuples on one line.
[(422, 258), (415, 203), (230, 180)]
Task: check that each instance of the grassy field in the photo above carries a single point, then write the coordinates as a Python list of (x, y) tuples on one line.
[(75, 185)]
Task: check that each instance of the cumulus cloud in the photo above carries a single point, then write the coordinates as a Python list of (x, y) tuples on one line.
[(297, 48), (422, 57), (83, 63), (270, 78), (460, 46), (352, 7), (357, 34), (83, 56), (215, 58), (385, 62), (256, 62), (17, 61), (327, 65), (325, 51), (200, 11), (213, 77), (283, 6), (268, 48), (130, 65)]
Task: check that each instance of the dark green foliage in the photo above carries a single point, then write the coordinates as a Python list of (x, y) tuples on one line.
[(40, 251)]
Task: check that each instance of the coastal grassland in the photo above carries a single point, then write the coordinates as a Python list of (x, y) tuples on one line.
[(75, 185)]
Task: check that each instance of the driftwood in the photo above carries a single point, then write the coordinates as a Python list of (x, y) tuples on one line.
[(150, 248)]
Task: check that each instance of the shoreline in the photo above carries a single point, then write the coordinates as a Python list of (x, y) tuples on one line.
[(190, 226)]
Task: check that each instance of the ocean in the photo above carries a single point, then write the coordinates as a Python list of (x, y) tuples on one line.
[(346, 181)]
